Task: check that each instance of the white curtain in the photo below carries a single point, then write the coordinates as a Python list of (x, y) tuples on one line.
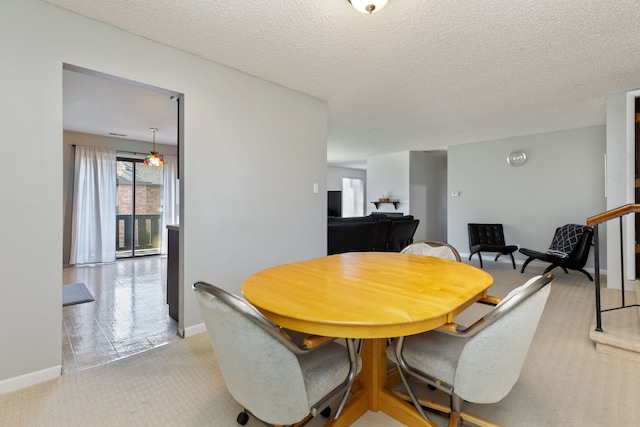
[(93, 222), (352, 197), (170, 198)]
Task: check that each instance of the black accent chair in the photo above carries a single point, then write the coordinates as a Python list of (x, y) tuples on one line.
[(489, 238), (569, 249)]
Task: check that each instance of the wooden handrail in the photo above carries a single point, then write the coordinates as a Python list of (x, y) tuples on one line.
[(594, 221), (613, 213)]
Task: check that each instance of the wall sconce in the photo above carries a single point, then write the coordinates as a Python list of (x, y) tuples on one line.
[(517, 158)]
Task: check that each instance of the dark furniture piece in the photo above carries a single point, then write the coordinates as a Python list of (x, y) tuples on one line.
[(355, 234), (351, 237), (334, 203), (173, 264), (569, 249), (489, 238), (400, 234)]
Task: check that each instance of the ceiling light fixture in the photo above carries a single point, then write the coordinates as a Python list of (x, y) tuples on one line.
[(368, 6), (153, 158)]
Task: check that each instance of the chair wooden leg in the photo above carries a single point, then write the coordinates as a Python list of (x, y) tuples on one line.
[(478, 421), (454, 420), (302, 422)]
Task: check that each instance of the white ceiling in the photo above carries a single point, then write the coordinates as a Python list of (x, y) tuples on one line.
[(417, 75), (103, 105)]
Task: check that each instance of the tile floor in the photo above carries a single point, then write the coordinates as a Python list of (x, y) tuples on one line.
[(129, 314)]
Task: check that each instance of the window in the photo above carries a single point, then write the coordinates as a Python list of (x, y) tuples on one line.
[(352, 197), (138, 208)]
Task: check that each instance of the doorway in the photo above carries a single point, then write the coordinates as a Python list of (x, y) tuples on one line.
[(129, 313)]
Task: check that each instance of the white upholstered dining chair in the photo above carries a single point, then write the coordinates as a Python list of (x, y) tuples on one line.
[(478, 364), (432, 248), (276, 379)]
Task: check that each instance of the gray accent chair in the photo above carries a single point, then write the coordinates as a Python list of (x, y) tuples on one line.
[(433, 248), (279, 377), (478, 364)]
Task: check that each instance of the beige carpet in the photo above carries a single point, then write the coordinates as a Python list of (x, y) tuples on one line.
[(565, 382)]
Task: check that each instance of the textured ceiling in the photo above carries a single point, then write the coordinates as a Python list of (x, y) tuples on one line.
[(419, 74)]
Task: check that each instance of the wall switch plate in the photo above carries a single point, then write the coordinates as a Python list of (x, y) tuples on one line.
[(315, 187)]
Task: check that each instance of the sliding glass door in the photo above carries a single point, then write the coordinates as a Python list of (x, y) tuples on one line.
[(138, 208)]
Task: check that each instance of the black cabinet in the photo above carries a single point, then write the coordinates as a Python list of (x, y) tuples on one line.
[(334, 203), (173, 265)]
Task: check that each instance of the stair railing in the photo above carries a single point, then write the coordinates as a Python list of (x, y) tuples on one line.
[(593, 222)]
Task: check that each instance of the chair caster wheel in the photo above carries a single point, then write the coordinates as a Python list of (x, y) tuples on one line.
[(431, 387), (243, 418), (326, 412)]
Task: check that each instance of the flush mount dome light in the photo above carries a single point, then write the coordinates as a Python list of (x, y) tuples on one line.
[(368, 6)]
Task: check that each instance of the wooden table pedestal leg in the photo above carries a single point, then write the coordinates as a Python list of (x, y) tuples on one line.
[(373, 394)]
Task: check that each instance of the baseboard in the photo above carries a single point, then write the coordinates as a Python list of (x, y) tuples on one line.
[(519, 262), (195, 330), (32, 378)]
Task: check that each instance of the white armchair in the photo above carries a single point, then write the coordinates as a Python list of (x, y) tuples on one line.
[(273, 377), (479, 364)]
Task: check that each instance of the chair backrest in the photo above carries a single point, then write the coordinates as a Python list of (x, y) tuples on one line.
[(384, 224), (572, 240), (433, 248), (492, 358), (401, 234), (580, 253), (485, 234), (351, 237), (260, 372)]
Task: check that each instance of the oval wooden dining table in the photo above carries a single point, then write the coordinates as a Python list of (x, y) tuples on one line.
[(368, 295)]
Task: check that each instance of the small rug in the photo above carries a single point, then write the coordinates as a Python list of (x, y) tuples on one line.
[(75, 293)]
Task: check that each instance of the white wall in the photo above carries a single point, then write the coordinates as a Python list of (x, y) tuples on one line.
[(388, 176), (428, 182), (418, 191), (335, 175), (418, 179), (561, 182), (269, 146)]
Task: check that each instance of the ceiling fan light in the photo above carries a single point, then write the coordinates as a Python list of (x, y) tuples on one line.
[(368, 6)]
